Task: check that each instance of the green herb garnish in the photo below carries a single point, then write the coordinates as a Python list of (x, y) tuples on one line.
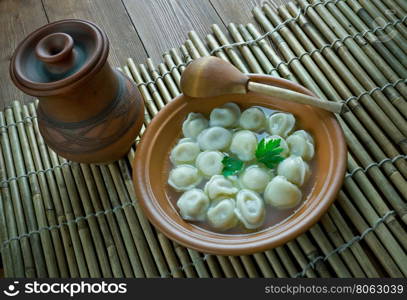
[(231, 166), (268, 152)]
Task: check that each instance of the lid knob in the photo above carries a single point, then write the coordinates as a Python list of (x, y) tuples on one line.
[(56, 52)]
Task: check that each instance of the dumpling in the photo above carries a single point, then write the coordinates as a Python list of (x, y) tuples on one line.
[(250, 209), (281, 124), (300, 146), (244, 144), (220, 186), (294, 169), (184, 177), (193, 205), (186, 140), (194, 124), (225, 116), (253, 118), (283, 144), (305, 135), (184, 152), (255, 178), (222, 214), (282, 194), (214, 138), (210, 163)]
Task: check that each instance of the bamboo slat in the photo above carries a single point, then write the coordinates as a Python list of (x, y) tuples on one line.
[(398, 65), (382, 34), (342, 87), (396, 32), (75, 257), (395, 8), (255, 67), (233, 56), (42, 205), (194, 256), (325, 17), (63, 219), (13, 249), (369, 50), (213, 44)]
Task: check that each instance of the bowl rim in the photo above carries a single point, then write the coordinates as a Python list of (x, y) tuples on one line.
[(181, 235)]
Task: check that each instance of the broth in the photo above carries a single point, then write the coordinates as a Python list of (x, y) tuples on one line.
[(274, 216)]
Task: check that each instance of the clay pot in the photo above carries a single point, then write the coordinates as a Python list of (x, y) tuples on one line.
[(87, 111), (151, 167)]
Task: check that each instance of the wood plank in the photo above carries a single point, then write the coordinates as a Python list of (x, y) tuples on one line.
[(17, 19), (164, 24), (111, 16)]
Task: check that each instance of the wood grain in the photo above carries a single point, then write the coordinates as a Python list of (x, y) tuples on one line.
[(164, 24), (17, 19), (240, 11), (111, 16)]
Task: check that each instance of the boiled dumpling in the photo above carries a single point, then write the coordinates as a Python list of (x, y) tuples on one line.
[(305, 135), (281, 124), (283, 144), (222, 214), (300, 146), (220, 186), (184, 177), (255, 178), (184, 152), (210, 163), (214, 138), (281, 193), (253, 118), (294, 169), (194, 124), (234, 180), (244, 144), (193, 205), (225, 116), (250, 209)]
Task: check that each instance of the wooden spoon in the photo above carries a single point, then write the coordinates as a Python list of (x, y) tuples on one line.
[(211, 76)]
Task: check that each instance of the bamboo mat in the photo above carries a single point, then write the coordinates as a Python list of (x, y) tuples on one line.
[(63, 219)]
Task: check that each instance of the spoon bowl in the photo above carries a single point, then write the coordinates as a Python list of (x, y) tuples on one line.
[(211, 76)]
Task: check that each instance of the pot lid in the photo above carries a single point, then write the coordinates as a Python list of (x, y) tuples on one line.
[(58, 56)]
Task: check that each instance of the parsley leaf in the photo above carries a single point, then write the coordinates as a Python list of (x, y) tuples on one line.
[(268, 152), (231, 166)]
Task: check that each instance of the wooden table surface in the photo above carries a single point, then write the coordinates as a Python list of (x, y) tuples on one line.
[(136, 28)]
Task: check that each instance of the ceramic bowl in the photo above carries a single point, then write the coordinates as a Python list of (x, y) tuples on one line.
[(151, 167)]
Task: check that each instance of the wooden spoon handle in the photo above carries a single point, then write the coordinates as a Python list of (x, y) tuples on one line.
[(292, 96)]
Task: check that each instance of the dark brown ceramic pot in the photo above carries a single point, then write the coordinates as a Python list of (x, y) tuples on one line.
[(87, 111)]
